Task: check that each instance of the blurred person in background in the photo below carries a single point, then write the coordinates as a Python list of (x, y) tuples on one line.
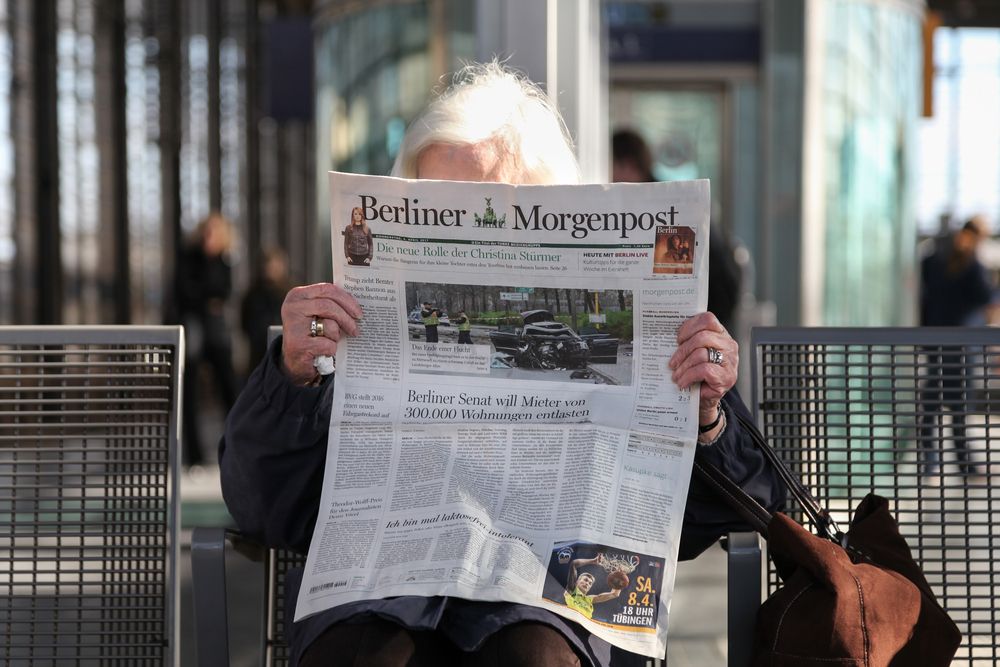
[(491, 125), (261, 305), (632, 162), (203, 288), (955, 291), (955, 288)]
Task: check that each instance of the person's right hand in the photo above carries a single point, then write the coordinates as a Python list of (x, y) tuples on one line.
[(331, 305)]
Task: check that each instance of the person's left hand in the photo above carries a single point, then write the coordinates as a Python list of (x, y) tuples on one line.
[(691, 364)]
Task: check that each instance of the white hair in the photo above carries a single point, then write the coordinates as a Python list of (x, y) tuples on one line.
[(489, 102)]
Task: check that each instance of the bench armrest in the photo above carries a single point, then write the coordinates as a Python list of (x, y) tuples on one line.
[(744, 595), (208, 576)]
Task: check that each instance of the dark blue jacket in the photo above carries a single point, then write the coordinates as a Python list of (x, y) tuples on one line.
[(952, 298)]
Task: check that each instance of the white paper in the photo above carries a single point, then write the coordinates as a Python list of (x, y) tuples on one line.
[(493, 470)]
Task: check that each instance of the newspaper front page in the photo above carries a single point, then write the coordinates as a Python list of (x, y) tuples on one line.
[(505, 426)]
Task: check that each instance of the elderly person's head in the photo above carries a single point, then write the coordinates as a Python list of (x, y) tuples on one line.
[(491, 124)]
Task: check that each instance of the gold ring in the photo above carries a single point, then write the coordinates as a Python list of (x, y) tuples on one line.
[(315, 327)]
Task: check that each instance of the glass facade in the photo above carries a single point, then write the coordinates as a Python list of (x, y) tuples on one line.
[(374, 69), (701, 131), (871, 102), (683, 127), (685, 75)]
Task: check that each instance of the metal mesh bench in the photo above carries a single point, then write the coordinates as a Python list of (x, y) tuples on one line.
[(88, 495), (911, 414)]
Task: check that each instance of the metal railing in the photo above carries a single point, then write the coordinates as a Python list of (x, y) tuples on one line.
[(910, 414), (88, 495)]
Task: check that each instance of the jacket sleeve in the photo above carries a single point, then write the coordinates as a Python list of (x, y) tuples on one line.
[(273, 453), (706, 516)]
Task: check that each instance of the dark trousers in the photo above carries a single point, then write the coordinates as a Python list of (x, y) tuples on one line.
[(432, 333), (219, 360), (945, 388), (380, 643), (465, 337)]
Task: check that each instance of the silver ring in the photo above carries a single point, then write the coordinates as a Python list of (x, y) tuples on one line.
[(715, 356), (315, 327)]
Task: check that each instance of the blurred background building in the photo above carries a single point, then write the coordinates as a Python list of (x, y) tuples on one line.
[(835, 132)]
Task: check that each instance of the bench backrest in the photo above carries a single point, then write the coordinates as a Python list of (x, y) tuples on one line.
[(88, 495), (909, 413)]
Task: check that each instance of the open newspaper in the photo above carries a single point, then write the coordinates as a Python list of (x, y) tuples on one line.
[(505, 426)]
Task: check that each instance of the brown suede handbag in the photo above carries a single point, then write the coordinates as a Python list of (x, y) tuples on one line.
[(854, 598)]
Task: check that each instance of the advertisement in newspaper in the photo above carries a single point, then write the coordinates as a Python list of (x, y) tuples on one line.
[(505, 426)]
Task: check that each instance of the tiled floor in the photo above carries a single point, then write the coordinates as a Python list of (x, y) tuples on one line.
[(697, 636)]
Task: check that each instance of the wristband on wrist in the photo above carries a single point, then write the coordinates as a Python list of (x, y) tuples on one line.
[(716, 437), (715, 422)]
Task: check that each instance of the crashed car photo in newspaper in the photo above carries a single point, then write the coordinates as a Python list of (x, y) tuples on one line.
[(542, 342)]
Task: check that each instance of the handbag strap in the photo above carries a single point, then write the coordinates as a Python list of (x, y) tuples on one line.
[(744, 504), (817, 513), (755, 514)]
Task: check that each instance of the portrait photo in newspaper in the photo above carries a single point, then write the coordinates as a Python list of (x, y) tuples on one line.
[(358, 245), (674, 250), (605, 584), (522, 332)]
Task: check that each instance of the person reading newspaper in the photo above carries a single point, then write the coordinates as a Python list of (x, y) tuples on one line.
[(490, 125)]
